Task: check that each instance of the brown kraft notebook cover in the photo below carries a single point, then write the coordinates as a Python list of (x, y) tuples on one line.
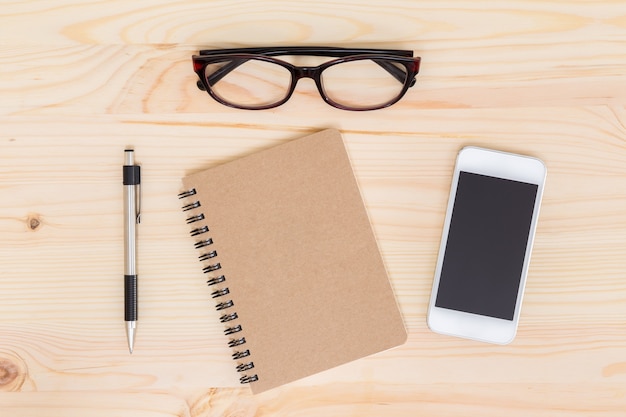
[(292, 261)]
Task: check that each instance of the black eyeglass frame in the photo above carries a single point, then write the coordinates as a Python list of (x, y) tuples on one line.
[(388, 59)]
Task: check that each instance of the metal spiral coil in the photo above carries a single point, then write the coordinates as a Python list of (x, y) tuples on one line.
[(203, 243), (237, 342), (216, 280), (191, 206), (211, 268), (232, 330), (207, 256), (196, 218), (245, 366), (246, 379), (187, 193), (199, 231), (240, 354), (228, 317), (224, 305), (219, 292)]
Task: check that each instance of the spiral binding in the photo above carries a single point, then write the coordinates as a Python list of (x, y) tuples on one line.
[(221, 291)]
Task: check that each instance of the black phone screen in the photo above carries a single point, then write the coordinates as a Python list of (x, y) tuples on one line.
[(486, 245)]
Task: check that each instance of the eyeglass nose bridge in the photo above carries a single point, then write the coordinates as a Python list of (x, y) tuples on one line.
[(306, 72), (314, 73)]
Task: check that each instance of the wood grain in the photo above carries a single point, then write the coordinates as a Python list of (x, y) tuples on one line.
[(81, 80), (120, 57)]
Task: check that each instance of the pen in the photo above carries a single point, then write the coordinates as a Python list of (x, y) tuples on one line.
[(132, 202)]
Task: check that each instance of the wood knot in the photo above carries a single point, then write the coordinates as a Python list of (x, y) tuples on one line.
[(33, 222), (8, 372), (12, 375)]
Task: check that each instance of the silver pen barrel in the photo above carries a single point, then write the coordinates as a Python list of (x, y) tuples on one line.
[(132, 184), (131, 215)]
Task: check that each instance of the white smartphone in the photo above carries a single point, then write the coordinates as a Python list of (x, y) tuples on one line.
[(486, 244)]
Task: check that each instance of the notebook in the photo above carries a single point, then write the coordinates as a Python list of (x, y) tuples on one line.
[(291, 261)]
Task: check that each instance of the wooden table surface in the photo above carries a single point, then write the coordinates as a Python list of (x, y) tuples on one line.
[(80, 80)]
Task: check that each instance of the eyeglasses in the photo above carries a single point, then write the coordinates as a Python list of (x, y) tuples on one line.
[(358, 79)]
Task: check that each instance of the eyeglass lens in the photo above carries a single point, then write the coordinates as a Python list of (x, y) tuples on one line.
[(254, 83), (251, 83), (360, 84)]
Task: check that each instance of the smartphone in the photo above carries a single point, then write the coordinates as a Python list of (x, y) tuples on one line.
[(486, 245)]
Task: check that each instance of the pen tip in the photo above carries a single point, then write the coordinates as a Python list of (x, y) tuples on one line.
[(130, 333)]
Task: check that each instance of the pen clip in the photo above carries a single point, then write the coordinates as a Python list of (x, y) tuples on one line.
[(138, 203)]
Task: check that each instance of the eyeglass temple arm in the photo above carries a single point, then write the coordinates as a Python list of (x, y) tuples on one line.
[(396, 72), (308, 50), (223, 71)]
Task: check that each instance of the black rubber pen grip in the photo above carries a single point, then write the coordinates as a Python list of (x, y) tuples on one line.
[(132, 175), (130, 297)]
